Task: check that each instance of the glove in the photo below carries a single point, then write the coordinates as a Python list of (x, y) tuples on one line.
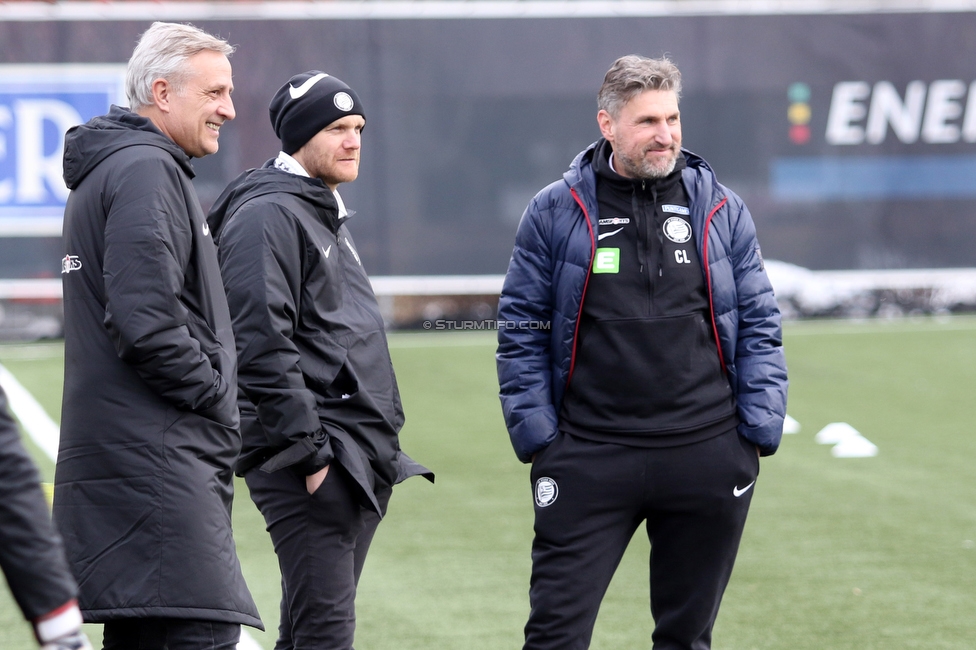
[(61, 629), (74, 641)]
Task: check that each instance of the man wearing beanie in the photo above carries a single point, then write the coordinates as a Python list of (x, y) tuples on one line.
[(320, 410)]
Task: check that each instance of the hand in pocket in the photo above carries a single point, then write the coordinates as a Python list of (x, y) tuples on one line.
[(314, 481)]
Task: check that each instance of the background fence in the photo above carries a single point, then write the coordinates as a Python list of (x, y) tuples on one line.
[(849, 129)]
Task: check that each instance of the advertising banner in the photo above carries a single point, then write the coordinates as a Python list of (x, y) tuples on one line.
[(38, 104)]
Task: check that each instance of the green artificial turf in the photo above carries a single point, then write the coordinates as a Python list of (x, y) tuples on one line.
[(866, 553), (838, 553)]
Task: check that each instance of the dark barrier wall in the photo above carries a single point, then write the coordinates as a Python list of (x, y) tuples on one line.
[(852, 138)]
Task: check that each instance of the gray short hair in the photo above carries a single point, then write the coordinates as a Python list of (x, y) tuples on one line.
[(631, 75), (161, 54)]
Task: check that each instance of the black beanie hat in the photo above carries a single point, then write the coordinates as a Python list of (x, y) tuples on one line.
[(308, 103)]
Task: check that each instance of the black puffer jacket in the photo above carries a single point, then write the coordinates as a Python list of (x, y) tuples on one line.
[(315, 371), (30, 551), (149, 424)]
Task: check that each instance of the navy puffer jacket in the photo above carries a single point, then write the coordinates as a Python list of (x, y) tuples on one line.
[(539, 309)]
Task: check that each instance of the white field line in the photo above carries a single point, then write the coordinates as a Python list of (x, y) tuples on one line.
[(46, 435), (33, 418), (247, 642)]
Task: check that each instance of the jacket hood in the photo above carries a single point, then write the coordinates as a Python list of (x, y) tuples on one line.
[(700, 181), (268, 180), (87, 145), (581, 169)]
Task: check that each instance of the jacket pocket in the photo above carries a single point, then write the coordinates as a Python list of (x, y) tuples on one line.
[(541, 457), (639, 373), (222, 407), (322, 361), (107, 505), (200, 330)]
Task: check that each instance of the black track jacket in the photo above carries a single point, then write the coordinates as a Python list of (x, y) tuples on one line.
[(316, 377), (647, 373)]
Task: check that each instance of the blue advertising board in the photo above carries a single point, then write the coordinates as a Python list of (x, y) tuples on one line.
[(38, 104)]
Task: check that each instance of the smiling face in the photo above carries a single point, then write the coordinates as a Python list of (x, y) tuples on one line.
[(333, 153), (646, 135), (192, 116)]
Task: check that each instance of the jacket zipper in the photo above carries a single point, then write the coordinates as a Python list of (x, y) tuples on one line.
[(586, 283), (659, 251), (635, 206), (646, 225), (708, 282), (640, 235)]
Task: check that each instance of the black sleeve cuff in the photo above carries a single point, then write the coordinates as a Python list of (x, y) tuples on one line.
[(308, 455), (322, 459)]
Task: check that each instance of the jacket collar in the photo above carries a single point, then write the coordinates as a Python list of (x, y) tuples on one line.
[(704, 191), (289, 165)]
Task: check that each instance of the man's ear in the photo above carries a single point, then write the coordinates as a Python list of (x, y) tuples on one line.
[(162, 92), (605, 122)]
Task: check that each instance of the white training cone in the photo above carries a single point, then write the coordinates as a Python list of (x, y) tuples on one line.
[(836, 432), (790, 425), (855, 447)]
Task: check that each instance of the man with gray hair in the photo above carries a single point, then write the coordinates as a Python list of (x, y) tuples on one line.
[(149, 426), (660, 380)]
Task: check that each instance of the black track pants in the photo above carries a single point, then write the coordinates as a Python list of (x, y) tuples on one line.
[(590, 498), (321, 541)]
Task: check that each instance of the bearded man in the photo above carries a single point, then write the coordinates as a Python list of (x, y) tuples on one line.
[(659, 379)]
